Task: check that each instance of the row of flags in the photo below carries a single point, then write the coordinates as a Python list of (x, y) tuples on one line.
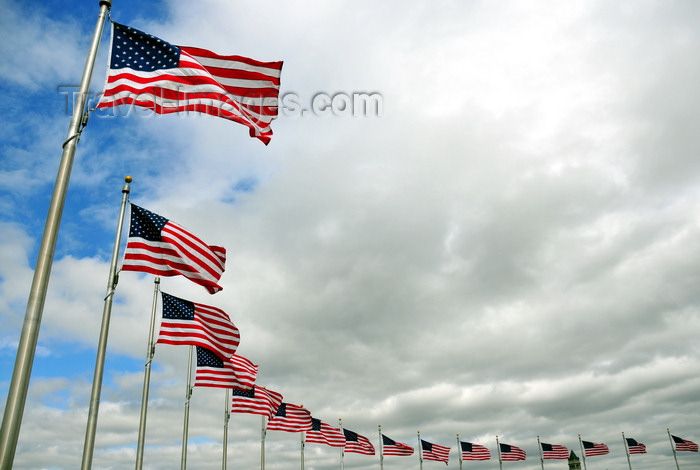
[(158, 246), (145, 71)]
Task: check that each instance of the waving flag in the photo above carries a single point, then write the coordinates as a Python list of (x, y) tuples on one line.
[(186, 322), (212, 371), (357, 444), (684, 445), (290, 418), (554, 451), (511, 453), (391, 447), (635, 447), (591, 449), (149, 72), (434, 452), (474, 451), (322, 433), (257, 401), (159, 246)]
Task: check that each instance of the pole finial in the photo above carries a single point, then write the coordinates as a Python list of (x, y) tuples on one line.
[(128, 179)]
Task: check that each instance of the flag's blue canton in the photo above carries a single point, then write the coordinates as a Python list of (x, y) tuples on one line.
[(139, 51), (427, 446), (282, 410), (507, 447), (547, 447), (145, 224), (243, 393), (387, 441), (177, 308), (466, 446), (315, 424), (206, 358), (350, 435)]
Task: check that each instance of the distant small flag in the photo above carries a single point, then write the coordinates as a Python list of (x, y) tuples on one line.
[(322, 433), (635, 447), (684, 444), (290, 418), (391, 447), (435, 452), (511, 453), (257, 401), (591, 449), (159, 246), (149, 72), (554, 451), (357, 443), (212, 371), (474, 451)]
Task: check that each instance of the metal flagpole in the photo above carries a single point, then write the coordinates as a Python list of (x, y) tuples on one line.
[(673, 448), (583, 452), (186, 425), (113, 278), (342, 449), (627, 451), (17, 393), (500, 461), (302, 449), (381, 448), (420, 451), (262, 442), (150, 352), (459, 451), (539, 444), (227, 418)]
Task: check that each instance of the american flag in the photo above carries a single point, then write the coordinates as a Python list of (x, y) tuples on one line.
[(391, 447), (257, 401), (554, 451), (434, 452), (357, 443), (212, 371), (511, 453), (186, 322), (290, 418), (322, 433), (159, 246), (685, 445), (474, 451), (147, 71), (591, 449), (635, 447)]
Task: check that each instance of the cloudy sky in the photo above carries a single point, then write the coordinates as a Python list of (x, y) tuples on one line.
[(509, 248)]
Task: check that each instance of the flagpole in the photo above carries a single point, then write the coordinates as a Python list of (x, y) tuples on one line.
[(381, 448), (262, 442), (539, 444), (627, 450), (459, 451), (150, 352), (673, 448), (186, 424), (498, 447), (89, 447), (342, 449), (227, 417), (420, 451), (17, 393), (583, 452), (302, 449)]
